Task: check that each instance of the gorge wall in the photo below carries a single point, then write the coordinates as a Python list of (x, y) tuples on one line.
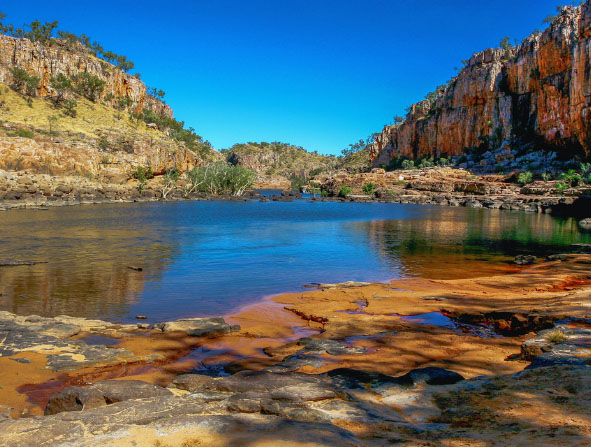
[(46, 61), (534, 96)]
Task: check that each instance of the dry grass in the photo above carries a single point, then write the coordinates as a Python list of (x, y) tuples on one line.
[(556, 336), (91, 120)]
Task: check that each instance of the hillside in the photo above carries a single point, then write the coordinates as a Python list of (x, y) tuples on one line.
[(510, 100), (68, 107), (276, 163)]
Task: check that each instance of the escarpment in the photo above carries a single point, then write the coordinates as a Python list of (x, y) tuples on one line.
[(50, 60), (530, 97)]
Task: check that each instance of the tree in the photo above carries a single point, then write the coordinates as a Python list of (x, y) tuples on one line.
[(70, 108), (52, 120), (505, 43), (23, 80), (170, 180), (398, 119), (88, 85), (369, 189), (60, 84)]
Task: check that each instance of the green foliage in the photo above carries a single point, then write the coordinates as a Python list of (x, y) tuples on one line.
[(358, 146), (323, 192), (52, 120), (220, 178), (407, 164), (60, 84), (23, 80), (571, 177), (561, 188), (525, 178), (505, 43), (297, 182), (426, 163), (70, 108), (369, 189), (585, 169), (314, 172), (546, 176), (88, 85), (23, 133), (345, 191), (143, 173), (398, 119), (103, 143), (177, 131)]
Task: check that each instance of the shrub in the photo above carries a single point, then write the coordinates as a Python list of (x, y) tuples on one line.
[(561, 188), (143, 173), (23, 133), (525, 178), (407, 164), (297, 182), (426, 163), (103, 143), (556, 336), (88, 85), (571, 177), (324, 192), (345, 191), (585, 169), (546, 176), (23, 80), (369, 189), (220, 178)]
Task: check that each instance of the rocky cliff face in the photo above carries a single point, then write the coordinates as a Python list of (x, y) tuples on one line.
[(535, 96), (46, 61)]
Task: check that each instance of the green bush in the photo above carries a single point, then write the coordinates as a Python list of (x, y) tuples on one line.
[(369, 189), (407, 164), (23, 80), (220, 178), (60, 84), (324, 192), (546, 176), (525, 178), (143, 173), (88, 85), (585, 169), (297, 182), (170, 180), (345, 191), (70, 108), (561, 188), (23, 133), (571, 177)]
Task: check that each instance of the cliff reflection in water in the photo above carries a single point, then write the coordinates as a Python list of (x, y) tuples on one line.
[(211, 258), (449, 243), (85, 252)]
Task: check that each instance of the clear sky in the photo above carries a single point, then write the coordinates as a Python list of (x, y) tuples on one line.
[(316, 73)]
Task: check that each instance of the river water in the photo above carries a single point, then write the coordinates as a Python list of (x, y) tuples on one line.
[(211, 258)]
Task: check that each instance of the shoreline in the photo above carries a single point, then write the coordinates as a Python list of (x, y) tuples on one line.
[(353, 324)]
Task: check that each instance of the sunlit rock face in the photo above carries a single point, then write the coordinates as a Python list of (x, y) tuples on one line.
[(538, 93), (47, 61)]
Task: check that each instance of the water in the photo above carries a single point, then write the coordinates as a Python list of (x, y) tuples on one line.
[(211, 258)]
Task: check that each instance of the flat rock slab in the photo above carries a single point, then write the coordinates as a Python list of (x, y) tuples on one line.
[(51, 337), (102, 393), (199, 327)]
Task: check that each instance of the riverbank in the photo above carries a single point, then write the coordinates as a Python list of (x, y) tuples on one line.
[(355, 344), (430, 186)]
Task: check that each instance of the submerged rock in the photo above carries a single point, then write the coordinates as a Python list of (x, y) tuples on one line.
[(525, 259)]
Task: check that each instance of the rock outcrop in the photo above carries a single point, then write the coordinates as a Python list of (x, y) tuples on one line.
[(47, 61), (536, 95)]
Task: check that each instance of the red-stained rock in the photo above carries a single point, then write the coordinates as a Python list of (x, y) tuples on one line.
[(537, 92)]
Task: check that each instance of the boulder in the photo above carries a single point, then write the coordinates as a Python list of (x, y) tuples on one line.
[(525, 259), (585, 224)]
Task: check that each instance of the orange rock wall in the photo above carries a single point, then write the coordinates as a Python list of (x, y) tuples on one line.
[(535, 95), (46, 61)]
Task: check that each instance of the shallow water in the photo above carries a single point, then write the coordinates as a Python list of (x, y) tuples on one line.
[(210, 258)]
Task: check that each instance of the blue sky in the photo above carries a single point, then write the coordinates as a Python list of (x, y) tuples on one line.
[(315, 73)]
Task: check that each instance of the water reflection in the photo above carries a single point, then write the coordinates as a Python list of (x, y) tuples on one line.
[(209, 258)]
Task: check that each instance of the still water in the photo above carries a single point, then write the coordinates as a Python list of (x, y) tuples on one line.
[(211, 258)]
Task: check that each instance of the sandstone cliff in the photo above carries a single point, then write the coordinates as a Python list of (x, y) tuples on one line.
[(46, 61), (535, 96)]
